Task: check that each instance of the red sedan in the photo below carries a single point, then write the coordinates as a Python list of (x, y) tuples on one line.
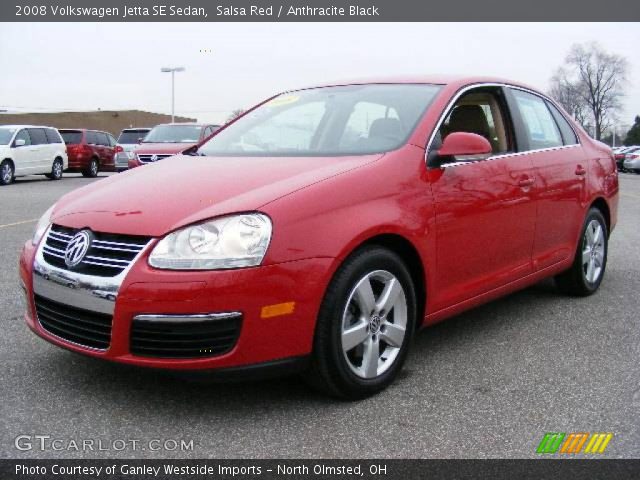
[(322, 228)]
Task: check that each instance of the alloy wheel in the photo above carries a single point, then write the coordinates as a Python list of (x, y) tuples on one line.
[(374, 324), (7, 173), (593, 251)]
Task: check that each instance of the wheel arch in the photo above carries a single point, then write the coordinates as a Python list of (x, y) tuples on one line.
[(409, 254), (602, 205)]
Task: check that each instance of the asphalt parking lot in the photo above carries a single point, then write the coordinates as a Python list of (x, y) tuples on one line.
[(488, 383)]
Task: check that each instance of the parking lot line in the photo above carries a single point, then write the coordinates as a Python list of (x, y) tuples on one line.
[(18, 223)]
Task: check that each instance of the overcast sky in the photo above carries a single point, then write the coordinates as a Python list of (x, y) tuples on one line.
[(61, 66)]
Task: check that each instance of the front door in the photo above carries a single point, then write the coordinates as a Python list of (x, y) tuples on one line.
[(485, 209)]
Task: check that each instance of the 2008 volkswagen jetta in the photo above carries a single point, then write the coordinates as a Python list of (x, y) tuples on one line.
[(322, 228)]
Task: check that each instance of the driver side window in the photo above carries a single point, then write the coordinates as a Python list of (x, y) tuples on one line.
[(481, 112)]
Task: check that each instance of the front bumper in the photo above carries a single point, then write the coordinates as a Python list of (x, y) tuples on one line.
[(145, 291)]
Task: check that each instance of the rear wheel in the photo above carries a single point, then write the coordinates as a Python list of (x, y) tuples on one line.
[(6, 172), (92, 169), (365, 325), (56, 170), (586, 273)]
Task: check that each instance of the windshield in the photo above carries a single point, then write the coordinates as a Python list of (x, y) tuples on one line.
[(6, 134), (330, 121), (131, 136), (174, 134), (71, 137)]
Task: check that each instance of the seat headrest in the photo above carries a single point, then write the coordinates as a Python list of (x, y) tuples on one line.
[(469, 118), (386, 127)]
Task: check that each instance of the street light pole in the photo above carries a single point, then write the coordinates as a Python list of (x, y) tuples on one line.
[(173, 71)]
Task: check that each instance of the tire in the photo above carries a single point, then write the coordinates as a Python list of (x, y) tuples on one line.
[(348, 314), (56, 170), (92, 170), (7, 172), (590, 260)]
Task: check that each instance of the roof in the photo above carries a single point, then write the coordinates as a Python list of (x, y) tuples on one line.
[(25, 126), (459, 80)]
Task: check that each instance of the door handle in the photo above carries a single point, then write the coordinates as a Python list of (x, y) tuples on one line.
[(580, 170), (526, 182)]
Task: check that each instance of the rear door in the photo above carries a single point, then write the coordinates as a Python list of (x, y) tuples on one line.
[(561, 172), (485, 209)]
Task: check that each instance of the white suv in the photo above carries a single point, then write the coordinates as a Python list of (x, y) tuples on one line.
[(31, 150)]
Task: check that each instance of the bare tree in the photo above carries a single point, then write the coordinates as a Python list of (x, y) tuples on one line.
[(235, 114), (592, 83)]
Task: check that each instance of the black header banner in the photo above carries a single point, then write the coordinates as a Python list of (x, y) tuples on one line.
[(317, 469), (318, 11)]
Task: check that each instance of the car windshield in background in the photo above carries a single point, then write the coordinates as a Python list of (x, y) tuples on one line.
[(130, 137), (174, 134), (71, 137), (328, 121), (6, 134)]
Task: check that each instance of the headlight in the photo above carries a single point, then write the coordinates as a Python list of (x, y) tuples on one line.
[(42, 225), (228, 242)]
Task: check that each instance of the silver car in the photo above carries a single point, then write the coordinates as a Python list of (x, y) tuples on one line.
[(632, 160), (128, 139)]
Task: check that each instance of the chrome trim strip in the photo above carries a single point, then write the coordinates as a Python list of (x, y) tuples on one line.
[(462, 91), (505, 155), (107, 244), (205, 317), (88, 292)]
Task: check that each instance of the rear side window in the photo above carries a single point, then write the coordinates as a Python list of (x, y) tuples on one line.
[(52, 136), (112, 141), (568, 135), (540, 125), (38, 137), (102, 139), (92, 138), (71, 137)]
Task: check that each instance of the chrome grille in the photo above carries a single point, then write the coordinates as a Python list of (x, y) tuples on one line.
[(148, 157), (108, 255)]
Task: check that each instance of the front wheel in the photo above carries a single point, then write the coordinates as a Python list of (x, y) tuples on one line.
[(56, 170), (365, 325), (586, 273), (6, 172)]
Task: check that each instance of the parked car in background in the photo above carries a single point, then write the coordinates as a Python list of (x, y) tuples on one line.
[(90, 151), (321, 229), (169, 139), (631, 161), (127, 141), (31, 150), (619, 155)]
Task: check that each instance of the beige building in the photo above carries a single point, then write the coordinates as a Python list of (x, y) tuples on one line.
[(112, 121)]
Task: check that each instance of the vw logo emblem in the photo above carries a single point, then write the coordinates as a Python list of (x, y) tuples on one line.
[(77, 248), (154, 158), (374, 324)]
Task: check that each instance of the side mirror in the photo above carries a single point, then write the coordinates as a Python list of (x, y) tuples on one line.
[(140, 140), (464, 147), (20, 142)]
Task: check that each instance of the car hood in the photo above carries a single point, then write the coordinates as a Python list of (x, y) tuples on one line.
[(181, 190), (173, 148)]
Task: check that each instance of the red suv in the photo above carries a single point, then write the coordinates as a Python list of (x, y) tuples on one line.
[(89, 151), (169, 139), (322, 228)]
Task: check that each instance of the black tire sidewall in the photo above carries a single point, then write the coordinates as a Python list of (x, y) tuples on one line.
[(330, 320)]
